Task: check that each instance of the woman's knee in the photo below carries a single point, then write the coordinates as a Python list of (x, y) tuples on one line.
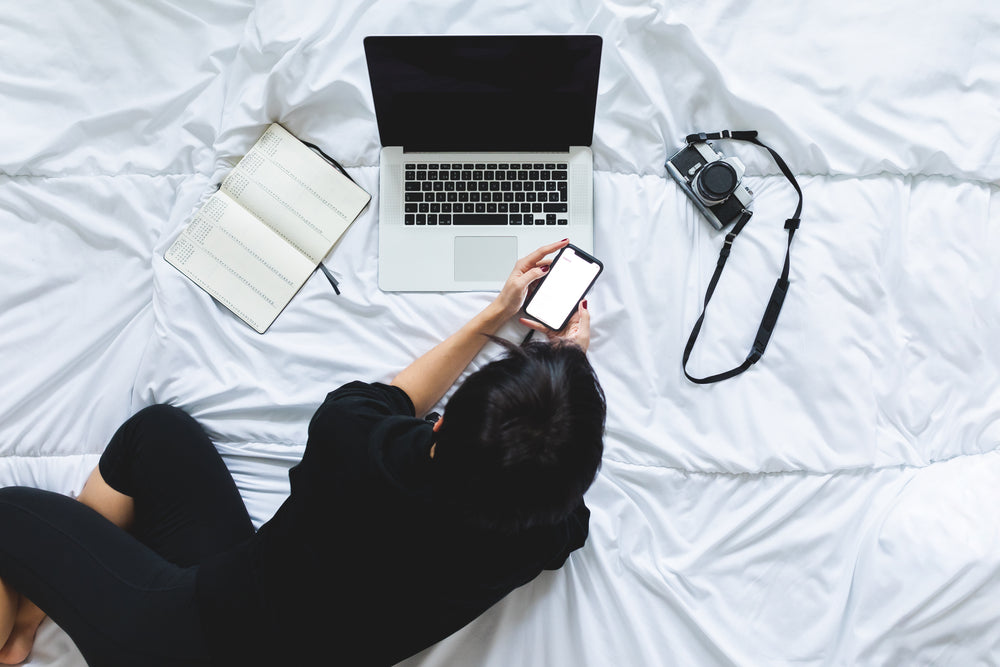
[(155, 436), (18, 496), (163, 416)]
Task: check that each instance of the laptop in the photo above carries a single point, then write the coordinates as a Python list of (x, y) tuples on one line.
[(485, 153)]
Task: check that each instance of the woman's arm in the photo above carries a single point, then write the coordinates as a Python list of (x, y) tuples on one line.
[(427, 379)]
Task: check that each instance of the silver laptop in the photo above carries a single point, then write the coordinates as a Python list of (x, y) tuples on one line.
[(485, 153)]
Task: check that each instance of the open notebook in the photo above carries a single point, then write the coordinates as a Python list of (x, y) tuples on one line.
[(256, 241)]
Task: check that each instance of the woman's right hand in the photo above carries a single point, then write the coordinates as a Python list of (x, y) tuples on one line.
[(576, 331), (527, 270)]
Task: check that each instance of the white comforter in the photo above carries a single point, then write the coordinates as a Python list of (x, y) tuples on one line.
[(835, 505)]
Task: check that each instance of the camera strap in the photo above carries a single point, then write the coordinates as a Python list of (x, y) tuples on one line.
[(770, 317)]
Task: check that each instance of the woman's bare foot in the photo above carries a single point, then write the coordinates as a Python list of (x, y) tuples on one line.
[(22, 638)]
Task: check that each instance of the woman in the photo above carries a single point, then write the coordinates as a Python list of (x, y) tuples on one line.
[(396, 533)]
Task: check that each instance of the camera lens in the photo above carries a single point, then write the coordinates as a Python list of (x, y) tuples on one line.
[(717, 181)]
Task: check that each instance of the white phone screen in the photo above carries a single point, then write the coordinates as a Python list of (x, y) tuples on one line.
[(562, 289)]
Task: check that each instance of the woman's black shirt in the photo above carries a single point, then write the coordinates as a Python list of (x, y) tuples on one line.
[(362, 564)]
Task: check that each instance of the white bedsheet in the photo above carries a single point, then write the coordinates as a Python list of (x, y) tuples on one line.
[(835, 505)]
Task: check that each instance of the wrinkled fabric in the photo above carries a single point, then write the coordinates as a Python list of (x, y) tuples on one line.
[(835, 505)]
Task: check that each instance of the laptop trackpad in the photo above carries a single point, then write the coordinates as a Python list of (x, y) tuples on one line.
[(484, 258)]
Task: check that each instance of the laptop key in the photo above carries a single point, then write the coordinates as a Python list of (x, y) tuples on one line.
[(555, 208), (480, 219)]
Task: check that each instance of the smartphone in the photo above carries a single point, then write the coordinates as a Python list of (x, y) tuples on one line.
[(570, 276)]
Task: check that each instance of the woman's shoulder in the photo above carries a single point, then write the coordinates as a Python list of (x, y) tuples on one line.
[(371, 396)]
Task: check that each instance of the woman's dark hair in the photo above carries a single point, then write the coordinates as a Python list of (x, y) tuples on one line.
[(522, 437)]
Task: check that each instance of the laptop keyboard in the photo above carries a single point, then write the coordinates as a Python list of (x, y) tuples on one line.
[(485, 193)]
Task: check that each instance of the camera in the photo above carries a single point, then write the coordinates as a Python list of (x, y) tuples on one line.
[(712, 181)]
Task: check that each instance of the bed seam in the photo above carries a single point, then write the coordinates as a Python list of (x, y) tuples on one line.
[(48, 456), (817, 473), (662, 176)]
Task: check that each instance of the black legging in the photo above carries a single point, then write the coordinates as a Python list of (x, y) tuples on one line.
[(129, 598)]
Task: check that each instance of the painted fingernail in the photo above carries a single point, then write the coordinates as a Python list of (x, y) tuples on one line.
[(585, 304), (565, 239), (545, 269)]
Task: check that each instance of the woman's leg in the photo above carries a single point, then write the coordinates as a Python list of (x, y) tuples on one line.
[(120, 602), (8, 612), (23, 625), (185, 505), (180, 500)]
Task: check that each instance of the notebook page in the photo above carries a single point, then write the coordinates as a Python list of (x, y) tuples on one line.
[(297, 193), (240, 261)]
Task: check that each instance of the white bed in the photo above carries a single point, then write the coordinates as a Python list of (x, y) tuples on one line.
[(835, 505)]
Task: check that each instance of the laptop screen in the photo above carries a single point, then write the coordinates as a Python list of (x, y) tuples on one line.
[(485, 93)]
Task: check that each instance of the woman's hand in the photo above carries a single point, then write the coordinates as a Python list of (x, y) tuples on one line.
[(527, 270), (576, 331)]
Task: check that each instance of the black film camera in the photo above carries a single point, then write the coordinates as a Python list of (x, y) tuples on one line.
[(711, 180)]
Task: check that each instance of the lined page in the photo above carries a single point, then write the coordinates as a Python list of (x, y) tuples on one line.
[(244, 264), (303, 198)]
